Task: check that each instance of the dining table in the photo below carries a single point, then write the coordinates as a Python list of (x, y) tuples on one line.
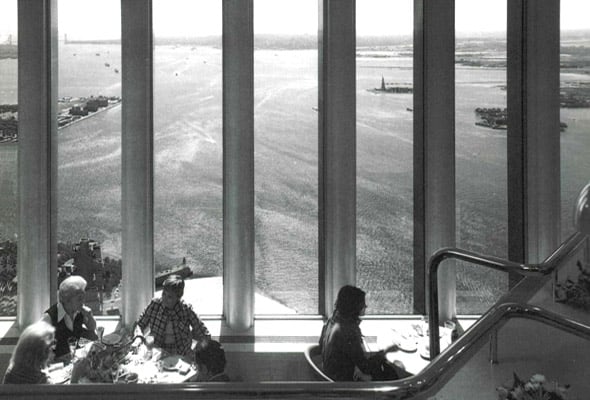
[(413, 345), (114, 359)]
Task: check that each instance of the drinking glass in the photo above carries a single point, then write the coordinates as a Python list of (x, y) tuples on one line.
[(73, 345), (100, 332)]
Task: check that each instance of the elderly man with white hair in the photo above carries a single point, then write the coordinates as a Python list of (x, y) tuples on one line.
[(69, 316)]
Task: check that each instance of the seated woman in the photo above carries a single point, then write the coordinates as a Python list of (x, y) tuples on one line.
[(69, 316), (172, 323), (210, 360), (341, 343), (31, 354)]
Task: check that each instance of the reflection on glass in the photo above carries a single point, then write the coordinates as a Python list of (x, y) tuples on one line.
[(188, 149), (89, 149), (575, 107), (384, 155), (480, 128), (286, 156), (8, 157)]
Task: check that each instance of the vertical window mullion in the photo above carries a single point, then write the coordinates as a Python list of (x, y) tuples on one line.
[(238, 163), (37, 158), (533, 130), (434, 138), (137, 157), (337, 148)]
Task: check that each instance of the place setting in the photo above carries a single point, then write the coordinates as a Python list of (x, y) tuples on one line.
[(117, 358), (412, 343)]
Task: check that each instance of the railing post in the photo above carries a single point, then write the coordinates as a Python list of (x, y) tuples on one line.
[(493, 356)]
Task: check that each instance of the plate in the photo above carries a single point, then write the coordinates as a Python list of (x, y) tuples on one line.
[(59, 374), (111, 338), (171, 363), (425, 350), (405, 342), (408, 345)]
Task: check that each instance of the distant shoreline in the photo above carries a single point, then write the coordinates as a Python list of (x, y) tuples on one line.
[(90, 114), (65, 119)]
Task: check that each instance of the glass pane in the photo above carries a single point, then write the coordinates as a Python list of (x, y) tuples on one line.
[(8, 156), (188, 149), (384, 145), (89, 148), (286, 156), (481, 149), (575, 106)]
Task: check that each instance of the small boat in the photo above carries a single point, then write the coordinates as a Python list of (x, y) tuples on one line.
[(116, 71)]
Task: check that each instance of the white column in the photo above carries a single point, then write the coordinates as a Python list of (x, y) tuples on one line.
[(533, 129), (238, 163), (337, 148), (434, 147), (37, 158), (137, 157)]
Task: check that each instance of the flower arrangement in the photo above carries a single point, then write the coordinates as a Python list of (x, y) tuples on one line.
[(100, 364), (577, 293), (536, 388)]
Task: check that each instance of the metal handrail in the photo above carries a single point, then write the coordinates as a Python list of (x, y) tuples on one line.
[(563, 252), (431, 379)]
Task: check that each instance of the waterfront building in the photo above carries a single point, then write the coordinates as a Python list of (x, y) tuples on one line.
[(79, 110), (86, 261)]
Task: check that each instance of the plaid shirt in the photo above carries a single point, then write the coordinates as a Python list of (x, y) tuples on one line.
[(182, 317)]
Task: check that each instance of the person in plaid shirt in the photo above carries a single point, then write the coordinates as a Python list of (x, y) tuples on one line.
[(172, 322)]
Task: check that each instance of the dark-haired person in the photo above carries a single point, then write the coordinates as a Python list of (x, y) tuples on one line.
[(210, 360), (31, 354), (341, 343), (172, 322), (70, 316)]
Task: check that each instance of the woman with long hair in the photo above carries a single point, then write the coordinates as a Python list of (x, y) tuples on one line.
[(31, 354), (341, 343)]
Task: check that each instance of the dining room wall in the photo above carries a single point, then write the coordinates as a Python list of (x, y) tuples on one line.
[(263, 366)]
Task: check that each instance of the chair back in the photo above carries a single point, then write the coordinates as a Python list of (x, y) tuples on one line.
[(313, 356)]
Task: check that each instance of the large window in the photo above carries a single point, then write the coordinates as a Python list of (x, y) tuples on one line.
[(188, 148), (286, 156), (575, 106), (384, 154), (188, 167), (8, 156), (481, 147), (89, 148)]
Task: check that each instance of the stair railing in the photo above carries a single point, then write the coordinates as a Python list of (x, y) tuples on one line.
[(559, 256)]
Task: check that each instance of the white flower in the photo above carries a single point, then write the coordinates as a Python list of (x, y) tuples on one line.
[(538, 378)]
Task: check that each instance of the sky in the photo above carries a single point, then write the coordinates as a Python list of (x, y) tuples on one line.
[(90, 19)]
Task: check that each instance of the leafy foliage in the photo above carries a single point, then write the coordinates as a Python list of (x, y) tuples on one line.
[(576, 293), (536, 388)]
